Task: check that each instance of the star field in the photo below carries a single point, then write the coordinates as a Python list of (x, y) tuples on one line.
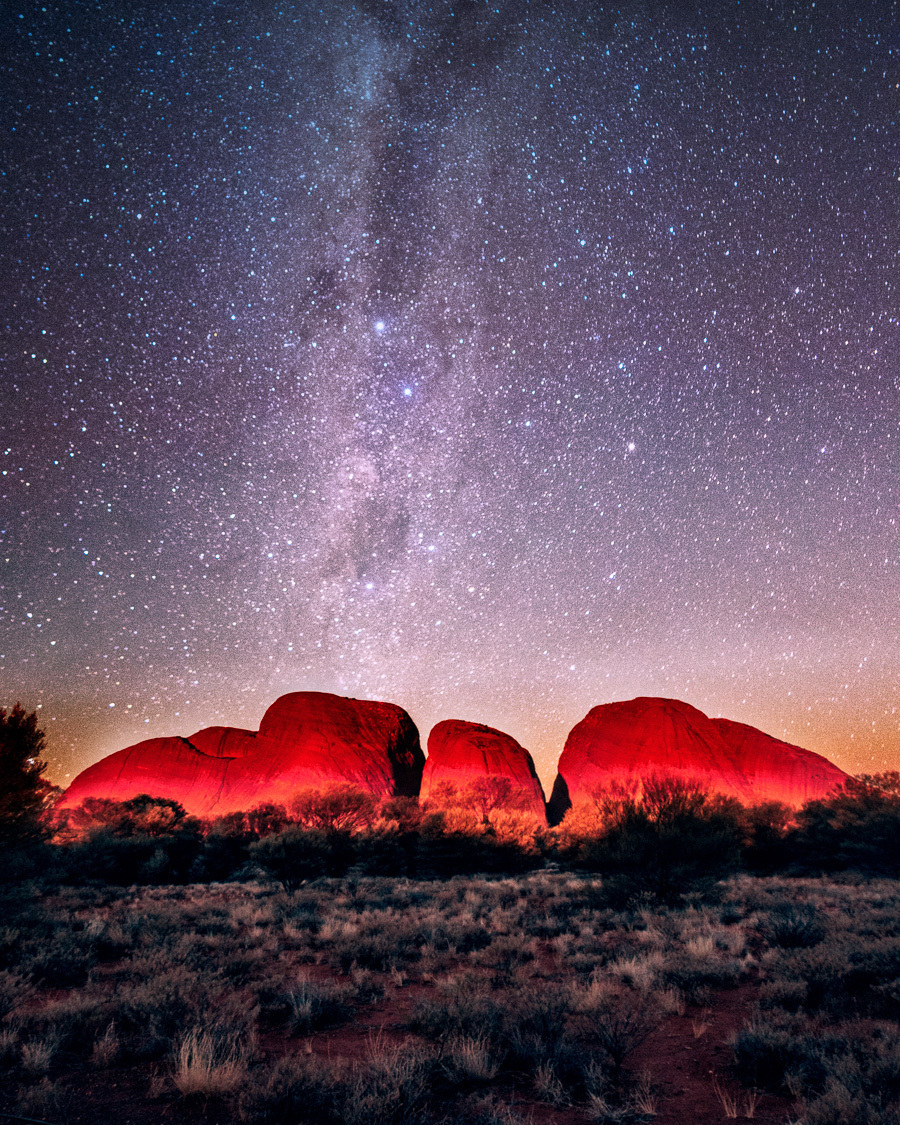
[(494, 359)]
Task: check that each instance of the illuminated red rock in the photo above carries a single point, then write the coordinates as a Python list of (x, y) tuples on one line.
[(224, 742), (776, 770), (624, 742), (162, 767), (460, 753), (305, 739)]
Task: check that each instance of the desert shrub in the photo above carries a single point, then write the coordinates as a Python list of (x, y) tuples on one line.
[(617, 1026), (858, 827), (842, 977), (74, 1021), (142, 840), (14, 990), (781, 993), (468, 1059), (65, 959), (310, 1005), (38, 1055), (106, 1048), (766, 1053), (151, 1013), (295, 855), (208, 1063), (672, 840), (696, 976), (386, 852), (504, 955), (295, 1091), (225, 849), (108, 857), (838, 1105), (394, 1088), (113, 940), (482, 1109), (466, 936), (157, 817), (43, 1101), (443, 853), (537, 1026), (371, 950), (792, 925), (463, 1014), (342, 808), (848, 1074), (768, 844)]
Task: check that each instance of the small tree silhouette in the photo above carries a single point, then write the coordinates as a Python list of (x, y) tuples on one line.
[(24, 794), (335, 808)]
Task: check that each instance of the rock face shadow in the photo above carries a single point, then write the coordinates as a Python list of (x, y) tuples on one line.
[(560, 802)]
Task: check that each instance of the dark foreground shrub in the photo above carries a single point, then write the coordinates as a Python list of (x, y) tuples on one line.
[(295, 1091), (858, 828), (310, 1006), (766, 1053), (295, 855), (792, 926), (672, 841), (124, 860)]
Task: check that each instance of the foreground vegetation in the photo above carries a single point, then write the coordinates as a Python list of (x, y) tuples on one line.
[(372, 1000), (390, 963)]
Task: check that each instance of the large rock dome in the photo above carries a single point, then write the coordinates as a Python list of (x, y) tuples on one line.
[(306, 738), (460, 753), (625, 742)]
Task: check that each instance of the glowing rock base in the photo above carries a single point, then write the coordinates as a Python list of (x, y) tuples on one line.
[(305, 739), (460, 753), (624, 742)]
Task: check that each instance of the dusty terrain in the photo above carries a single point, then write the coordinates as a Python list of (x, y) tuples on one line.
[(469, 1000)]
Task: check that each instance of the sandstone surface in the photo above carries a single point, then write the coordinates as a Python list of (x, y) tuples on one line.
[(460, 753), (627, 741), (305, 739)]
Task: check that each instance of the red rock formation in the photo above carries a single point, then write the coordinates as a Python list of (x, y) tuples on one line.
[(623, 742), (305, 739), (776, 770), (224, 742), (460, 753)]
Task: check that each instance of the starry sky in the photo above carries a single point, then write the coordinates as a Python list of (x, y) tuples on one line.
[(497, 359)]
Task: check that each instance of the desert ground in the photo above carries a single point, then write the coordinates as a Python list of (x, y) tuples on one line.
[(395, 1001)]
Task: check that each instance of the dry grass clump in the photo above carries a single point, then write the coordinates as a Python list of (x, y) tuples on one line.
[(208, 1063), (314, 1005)]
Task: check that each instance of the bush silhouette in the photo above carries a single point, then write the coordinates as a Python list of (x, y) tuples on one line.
[(142, 840), (297, 854), (858, 827), (671, 839), (24, 794)]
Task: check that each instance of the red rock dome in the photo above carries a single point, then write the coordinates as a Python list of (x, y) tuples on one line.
[(460, 753), (623, 742), (776, 770), (224, 742), (306, 738)]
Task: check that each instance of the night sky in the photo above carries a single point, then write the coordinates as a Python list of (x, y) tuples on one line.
[(494, 359)]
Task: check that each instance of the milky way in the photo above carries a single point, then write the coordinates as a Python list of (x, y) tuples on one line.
[(494, 359)]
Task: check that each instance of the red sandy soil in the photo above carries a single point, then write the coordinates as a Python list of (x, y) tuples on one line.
[(685, 1057), (688, 1054)]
